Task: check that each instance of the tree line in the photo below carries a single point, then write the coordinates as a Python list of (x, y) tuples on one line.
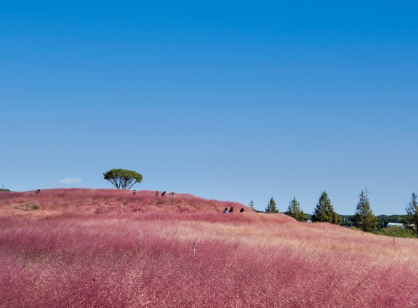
[(363, 218)]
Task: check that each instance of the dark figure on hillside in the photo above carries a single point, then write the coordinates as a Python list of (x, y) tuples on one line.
[(225, 211), (163, 194), (156, 193), (134, 191), (241, 210), (231, 210), (172, 194), (38, 191)]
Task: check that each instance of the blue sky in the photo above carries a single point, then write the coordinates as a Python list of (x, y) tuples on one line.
[(231, 100)]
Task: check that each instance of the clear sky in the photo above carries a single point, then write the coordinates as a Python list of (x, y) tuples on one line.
[(227, 100)]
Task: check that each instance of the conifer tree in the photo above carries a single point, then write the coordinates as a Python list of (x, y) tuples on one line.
[(412, 212), (251, 205), (271, 207), (295, 211), (364, 218), (324, 211)]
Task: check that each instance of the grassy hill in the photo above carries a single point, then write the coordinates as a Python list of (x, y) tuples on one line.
[(105, 201), (137, 253)]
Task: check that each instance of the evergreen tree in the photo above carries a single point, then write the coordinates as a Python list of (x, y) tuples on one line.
[(324, 211), (271, 207), (251, 205), (364, 218), (412, 212), (295, 211)]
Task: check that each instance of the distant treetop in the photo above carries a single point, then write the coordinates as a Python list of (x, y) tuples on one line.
[(271, 206), (122, 179), (295, 211), (364, 217), (324, 211)]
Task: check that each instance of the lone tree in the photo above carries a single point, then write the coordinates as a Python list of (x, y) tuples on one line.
[(122, 179), (271, 207), (364, 218), (412, 212), (295, 211), (324, 211)]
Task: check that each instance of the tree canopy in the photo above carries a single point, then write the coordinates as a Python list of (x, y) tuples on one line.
[(412, 212), (295, 211), (122, 179), (324, 211), (271, 206), (364, 218)]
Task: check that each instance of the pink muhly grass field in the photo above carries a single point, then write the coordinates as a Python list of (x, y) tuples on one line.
[(145, 259), (102, 201)]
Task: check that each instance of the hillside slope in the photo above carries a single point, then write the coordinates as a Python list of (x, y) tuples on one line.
[(100, 201), (149, 259)]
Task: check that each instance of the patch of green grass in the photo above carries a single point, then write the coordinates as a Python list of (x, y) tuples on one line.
[(28, 207), (395, 231), (392, 231)]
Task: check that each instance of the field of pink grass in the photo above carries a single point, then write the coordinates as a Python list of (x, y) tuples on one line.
[(103, 201), (146, 259)]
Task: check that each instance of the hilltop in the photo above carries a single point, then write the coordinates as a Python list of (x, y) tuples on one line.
[(101, 201)]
